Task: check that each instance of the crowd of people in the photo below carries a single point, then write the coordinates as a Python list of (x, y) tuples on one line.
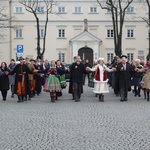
[(27, 78)]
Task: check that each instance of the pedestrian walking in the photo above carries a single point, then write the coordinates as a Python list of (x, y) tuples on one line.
[(11, 66), (4, 80), (146, 85), (137, 77), (124, 70), (77, 70)]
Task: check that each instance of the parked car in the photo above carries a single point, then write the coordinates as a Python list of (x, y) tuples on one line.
[(67, 74)]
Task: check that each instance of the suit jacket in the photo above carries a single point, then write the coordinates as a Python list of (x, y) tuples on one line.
[(77, 72), (124, 75)]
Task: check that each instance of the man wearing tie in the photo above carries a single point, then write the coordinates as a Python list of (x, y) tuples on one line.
[(124, 71)]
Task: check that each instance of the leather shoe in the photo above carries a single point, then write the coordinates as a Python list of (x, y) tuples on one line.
[(121, 100)]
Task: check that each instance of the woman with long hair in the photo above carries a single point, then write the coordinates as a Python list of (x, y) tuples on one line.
[(4, 80)]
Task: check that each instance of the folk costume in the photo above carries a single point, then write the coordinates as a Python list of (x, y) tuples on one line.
[(100, 80), (21, 80), (52, 84)]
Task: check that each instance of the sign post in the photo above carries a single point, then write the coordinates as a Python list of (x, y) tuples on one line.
[(20, 50)]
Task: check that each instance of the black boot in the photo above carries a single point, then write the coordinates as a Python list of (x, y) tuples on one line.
[(147, 95), (100, 97), (22, 98), (19, 99), (135, 91), (139, 90), (144, 94)]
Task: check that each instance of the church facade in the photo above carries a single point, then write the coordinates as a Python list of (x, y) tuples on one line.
[(76, 28)]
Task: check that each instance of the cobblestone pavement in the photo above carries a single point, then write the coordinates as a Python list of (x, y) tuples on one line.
[(66, 125)]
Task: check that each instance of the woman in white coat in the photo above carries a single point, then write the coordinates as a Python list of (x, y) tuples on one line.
[(100, 81)]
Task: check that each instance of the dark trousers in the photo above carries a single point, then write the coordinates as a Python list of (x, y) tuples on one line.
[(124, 93), (4, 94), (84, 76), (77, 90)]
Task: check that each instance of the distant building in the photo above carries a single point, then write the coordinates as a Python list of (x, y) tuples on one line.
[(78, 27)]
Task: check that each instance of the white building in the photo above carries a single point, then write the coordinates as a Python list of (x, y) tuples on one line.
[(78, 27)]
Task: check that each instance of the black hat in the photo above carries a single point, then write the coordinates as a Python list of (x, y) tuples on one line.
[(123, 56), (21, 58)]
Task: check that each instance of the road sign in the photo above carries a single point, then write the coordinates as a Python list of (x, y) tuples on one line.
[(19, 48), (19, 55)]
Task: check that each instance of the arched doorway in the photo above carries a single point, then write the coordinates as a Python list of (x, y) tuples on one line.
[(86, 53)]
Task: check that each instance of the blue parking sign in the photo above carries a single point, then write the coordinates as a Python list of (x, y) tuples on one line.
[(19, 48)]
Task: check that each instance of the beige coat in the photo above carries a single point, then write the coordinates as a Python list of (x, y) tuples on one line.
[(147, 80)]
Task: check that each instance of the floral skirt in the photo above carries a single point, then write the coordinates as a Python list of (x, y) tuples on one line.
[(52, 84)]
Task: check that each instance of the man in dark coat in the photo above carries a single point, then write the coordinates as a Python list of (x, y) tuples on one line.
[(124, 71), (76, 71), (21, 80)]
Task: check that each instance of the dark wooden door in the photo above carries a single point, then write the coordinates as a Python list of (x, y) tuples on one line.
[(86, 53)]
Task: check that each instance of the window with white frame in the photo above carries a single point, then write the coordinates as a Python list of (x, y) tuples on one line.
[(40, 10), (61, 33), (61, 9), (18, 33), (93, 10), (108, 10), (61, 56), (41, 31), (110, 57), (77, 9), (130, 33), (130, 10), (130, 57), (18, 9), (110, 33)]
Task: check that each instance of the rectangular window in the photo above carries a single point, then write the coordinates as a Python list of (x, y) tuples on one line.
[(110, 33), (77, 10), (130, 56), (61, 33), (130, 10), (41, 33), (108, 10), (110, 57), (18, 33), (61, 56), (130, 33), (93, 9), (18, 9), (40, 10), (61, 9)]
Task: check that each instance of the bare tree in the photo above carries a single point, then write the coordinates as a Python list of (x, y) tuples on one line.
[(5, 19), (147, 20), (32, 6), (118, 11)]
